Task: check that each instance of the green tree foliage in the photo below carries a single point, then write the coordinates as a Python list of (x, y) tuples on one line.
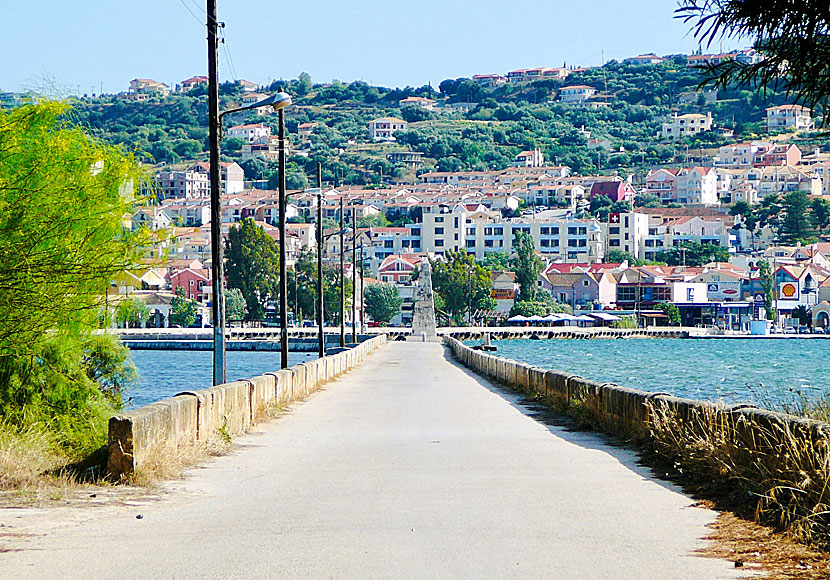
[(304, 273), (647, 200), (767, 278), (820, 211), (526, 264), (462, 284), (383, 302), (62, 198), (797, 224), (792, 37), (672, 313), (131, 312), (252, 265), (183, 311), (496, 261), (693, 254), (235, 306)]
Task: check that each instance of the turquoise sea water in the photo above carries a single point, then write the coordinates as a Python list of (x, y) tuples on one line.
[(163, 373), (761, 372)]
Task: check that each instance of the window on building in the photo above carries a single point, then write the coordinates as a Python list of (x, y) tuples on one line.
[(614, 243), (439, 243), (614, 230), (439, 219), (439, 231)]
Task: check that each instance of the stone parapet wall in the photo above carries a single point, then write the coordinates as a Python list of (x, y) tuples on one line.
[(230, 408)]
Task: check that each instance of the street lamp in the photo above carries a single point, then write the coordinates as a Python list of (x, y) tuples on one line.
[(342, 282), (278, 101)]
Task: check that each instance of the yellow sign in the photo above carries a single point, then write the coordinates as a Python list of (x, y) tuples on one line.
[(789, 290), (502, 294)]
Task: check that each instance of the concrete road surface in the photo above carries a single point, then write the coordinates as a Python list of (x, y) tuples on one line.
[(408, 467)]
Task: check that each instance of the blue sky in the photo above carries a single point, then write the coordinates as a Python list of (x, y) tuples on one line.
[(75, 46)]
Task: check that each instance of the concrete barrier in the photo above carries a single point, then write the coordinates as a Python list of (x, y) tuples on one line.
[(227, 409)]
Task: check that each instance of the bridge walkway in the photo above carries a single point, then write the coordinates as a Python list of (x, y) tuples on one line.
[(407, 467)]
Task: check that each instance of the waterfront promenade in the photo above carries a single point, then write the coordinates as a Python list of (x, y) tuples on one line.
[(407, 467)]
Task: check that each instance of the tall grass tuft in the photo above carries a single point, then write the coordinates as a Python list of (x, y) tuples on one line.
[(776, 468)]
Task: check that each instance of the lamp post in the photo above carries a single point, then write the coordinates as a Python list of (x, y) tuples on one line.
[(283, 279), (354, 275), (321, 337), (278, 101), (342, 282)]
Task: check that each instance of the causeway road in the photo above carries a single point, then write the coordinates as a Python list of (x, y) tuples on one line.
[(407, 467)]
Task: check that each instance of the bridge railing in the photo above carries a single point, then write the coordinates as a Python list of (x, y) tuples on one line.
[(231, 408)]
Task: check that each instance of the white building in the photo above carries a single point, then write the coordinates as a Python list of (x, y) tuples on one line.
[(384, 128), (250, 133), (183, 184), (789, 118), (576, 93), (680, 126)]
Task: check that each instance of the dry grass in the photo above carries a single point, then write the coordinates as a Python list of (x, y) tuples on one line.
[(751, 545), (170, 461), (34, 470), (779, 476)]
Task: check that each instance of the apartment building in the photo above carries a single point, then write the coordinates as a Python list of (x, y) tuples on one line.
[(183, 184), (250, 133), (384, 128), (446, 227), (680, 126), (789, 118), (576, 93), (626, 232)]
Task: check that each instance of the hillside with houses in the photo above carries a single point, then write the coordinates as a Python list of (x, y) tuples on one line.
[(635, 187)]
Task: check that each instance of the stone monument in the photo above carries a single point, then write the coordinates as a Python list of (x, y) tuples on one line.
[(423, 312)]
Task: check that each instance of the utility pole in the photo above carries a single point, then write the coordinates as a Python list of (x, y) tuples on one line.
[(283, 269), (321, 337), (342, 282), (354, 275), (216, 249)]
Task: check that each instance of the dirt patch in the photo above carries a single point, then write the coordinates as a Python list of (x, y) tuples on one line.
[(752, 545)]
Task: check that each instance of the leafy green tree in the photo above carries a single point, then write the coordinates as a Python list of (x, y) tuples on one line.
[(797, 225), (693, 254), (526, 264), (62, 198), (183, 311), (131, 312), (792, 37), (647, 200), (235, 306), (767, 279), (820, 212), (462, 284), (252, 265), (672, 313), (496, 261), (383, 302)]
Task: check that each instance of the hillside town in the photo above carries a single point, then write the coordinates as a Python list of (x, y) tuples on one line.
[(481, 213), (602, 236)]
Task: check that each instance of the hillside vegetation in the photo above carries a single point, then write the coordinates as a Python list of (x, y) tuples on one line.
[(499, 123)]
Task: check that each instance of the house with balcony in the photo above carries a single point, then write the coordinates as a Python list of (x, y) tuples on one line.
[(688, 125), (489, 81), (384, 128), (250, 133), (188, 85), (789, 118), (149, 87), (576, 93), (642, 59)]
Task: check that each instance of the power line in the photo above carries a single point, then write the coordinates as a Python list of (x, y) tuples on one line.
[(228, 56), (190, 10)]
